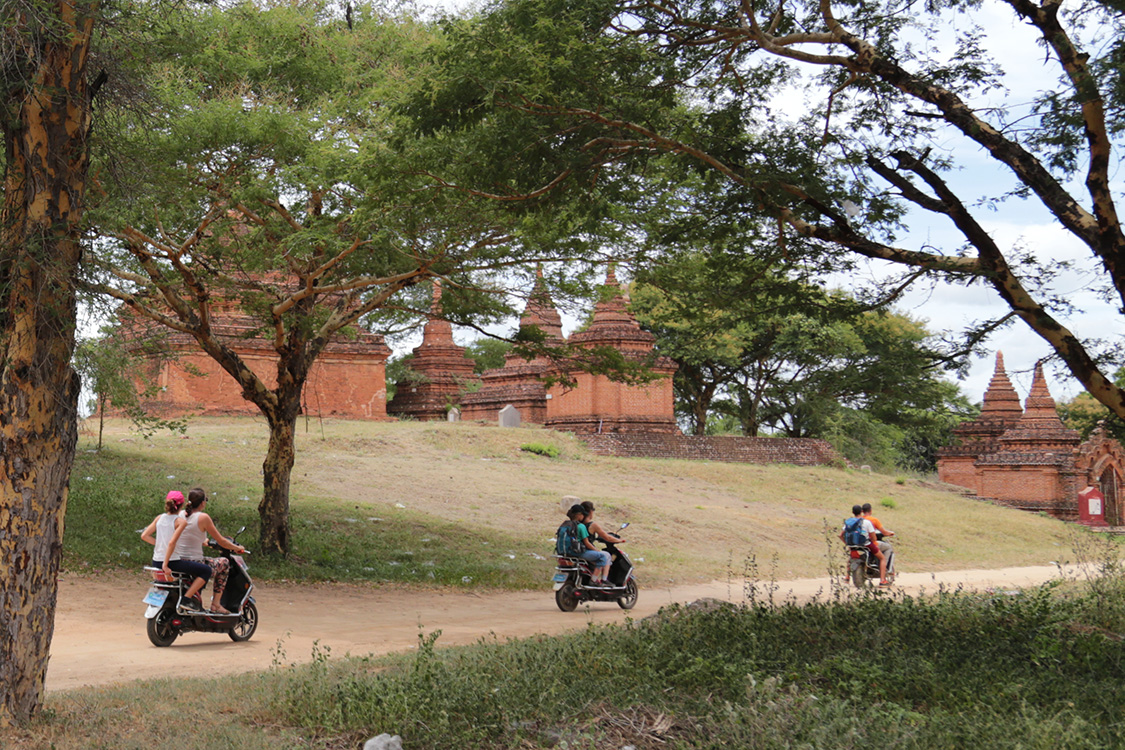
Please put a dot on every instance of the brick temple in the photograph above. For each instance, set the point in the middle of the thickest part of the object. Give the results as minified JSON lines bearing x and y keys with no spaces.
{"x":592,"y":403}
{"x":1026,"y":458}
{"x":440,"y":371}
{"x":347,"y":380}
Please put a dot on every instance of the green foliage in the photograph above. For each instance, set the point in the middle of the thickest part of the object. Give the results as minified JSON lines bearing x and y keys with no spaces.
{"x":549,"y":451}
{"x":668,"y":126}
{"x":1085,"y":414}
{"x":488,"y":353}
{"x":778,"y":354}
{"x":118,"y":372}
{"x":1038,"y":669}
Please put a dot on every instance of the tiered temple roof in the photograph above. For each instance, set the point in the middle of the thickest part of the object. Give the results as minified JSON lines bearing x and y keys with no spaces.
{"x":598,"y":404}
{"x":1039,"y":437}
{"x":1000,"y":410}
{"x":442,"y":370}
{"x":520,"y":381}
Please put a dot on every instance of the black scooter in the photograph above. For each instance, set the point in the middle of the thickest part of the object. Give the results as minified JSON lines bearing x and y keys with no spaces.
{"x":167,"y":619}
{"x":572,"y":580}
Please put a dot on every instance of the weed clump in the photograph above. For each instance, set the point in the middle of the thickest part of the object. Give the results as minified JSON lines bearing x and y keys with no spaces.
{"x":549,"y":451}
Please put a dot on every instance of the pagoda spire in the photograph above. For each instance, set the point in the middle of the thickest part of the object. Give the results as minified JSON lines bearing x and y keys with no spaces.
{"x":1000,"y":399}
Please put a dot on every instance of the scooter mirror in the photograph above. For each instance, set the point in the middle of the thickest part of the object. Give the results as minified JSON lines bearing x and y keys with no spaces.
{"x":625,"y":525}
{"x":240,"y":531}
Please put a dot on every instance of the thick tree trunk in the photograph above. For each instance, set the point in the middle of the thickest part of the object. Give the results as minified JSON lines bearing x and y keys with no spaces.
{"x":276,"y":471}
{"x":46,"y":120}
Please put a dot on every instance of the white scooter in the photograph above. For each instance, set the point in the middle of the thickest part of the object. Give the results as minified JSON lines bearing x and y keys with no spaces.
{"x":167,"y":619}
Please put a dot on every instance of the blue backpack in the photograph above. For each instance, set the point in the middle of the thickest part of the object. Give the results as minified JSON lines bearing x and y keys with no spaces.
{"x":566,"y":540}
{"x":854,"y":536}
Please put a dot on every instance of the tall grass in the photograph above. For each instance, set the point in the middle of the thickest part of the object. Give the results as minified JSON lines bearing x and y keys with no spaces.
{"x":1035,"y":670}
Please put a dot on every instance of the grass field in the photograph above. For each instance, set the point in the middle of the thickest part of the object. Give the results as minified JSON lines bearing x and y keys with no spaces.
{"x":461,"y":504}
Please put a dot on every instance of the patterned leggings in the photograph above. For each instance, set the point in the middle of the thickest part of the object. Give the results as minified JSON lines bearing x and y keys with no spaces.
{"x":220,"y":567}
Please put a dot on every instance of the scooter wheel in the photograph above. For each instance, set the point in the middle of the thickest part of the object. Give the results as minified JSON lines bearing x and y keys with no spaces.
{"x":160,"y":629}
{"x":859,"y":576}
{"x":629,"y":599}
{"x":247,"y":624}
{"x":567,"y":597}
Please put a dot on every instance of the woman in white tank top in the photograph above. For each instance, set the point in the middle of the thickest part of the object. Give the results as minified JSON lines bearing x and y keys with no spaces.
{"x":184,"y":552}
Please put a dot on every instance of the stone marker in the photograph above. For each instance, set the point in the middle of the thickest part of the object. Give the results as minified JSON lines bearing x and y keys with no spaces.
{"x":509,"y":416}
{"x":453,"y":415}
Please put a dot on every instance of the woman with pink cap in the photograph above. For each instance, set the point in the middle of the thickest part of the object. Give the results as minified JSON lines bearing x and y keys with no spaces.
{"x":163,"y":526}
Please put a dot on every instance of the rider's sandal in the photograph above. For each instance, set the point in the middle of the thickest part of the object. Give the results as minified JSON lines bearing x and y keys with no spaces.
{"x":884,"y":583}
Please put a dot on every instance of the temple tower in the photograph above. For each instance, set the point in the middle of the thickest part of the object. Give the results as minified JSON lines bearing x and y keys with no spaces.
{"x":520,"y":381}
{"x":441,"y":370}
{"x":1000,"y":411}
{"x":1033,"y":466}
{"x":597,"y":404}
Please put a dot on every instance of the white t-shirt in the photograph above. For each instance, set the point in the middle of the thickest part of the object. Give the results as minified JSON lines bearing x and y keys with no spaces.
{"x":165,"y":528}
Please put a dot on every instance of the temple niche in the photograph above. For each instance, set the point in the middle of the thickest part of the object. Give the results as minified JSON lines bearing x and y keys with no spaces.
{"x":441,"y":371}
{"x":1026,"y":458}
{"x":347,"y":380}
{"x":592,"y":403}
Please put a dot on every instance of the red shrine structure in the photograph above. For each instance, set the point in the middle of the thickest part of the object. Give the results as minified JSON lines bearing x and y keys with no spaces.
{"x":593,"y":403}
{"x":1025,"y":457}
{"x":520,"y":382}
{"x":440,"y":371}
{"x":347,"y":380}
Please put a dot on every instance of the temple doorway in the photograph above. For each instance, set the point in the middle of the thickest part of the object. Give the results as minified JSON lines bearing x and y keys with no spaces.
{"x":1108,"y":483}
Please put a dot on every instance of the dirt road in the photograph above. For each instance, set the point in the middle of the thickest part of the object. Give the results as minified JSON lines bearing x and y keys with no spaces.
{"x":100,"y":629}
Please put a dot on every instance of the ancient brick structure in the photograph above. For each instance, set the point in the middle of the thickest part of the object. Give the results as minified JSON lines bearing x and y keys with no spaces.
{"x":1026,"y":458}
{"x":347,"y":380}
{"x":441,"y":371}
{"x":520,"y":382}
{"x":596,"y":404}
{"x":1000,"y":410}
{"x":591,"y":403}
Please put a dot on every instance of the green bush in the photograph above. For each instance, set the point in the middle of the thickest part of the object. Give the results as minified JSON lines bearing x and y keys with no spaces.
{"x":1026,"y":671}
{"x":549,"y":451}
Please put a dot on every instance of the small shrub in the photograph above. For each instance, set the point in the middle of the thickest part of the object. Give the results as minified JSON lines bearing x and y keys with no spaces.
{"x":900,"y":480}
{"x":549,"y":451}
{"x":886,"y":502}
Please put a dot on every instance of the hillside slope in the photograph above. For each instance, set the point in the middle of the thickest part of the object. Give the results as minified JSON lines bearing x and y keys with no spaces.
{"x":690,"y":521}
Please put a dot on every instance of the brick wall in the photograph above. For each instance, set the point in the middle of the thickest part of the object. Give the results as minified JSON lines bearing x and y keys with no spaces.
{"x":753,"y":450}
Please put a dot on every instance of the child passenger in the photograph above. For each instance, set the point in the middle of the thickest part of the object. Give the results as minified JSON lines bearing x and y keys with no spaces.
{"x":598,"y":557}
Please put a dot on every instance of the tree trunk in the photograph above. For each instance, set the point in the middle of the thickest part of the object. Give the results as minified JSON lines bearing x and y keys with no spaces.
{"x":276,"y":471}
{"x":45,"y":123}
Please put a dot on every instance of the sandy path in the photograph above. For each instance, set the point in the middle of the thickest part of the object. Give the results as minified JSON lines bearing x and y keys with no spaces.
{"x":100,"y":628}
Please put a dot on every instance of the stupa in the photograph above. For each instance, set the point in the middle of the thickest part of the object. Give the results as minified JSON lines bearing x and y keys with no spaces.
{"x":441,"y":371}
{"x":597,"y":404}
{"x":1027,"y":458}
{"x":520,"y":382}
{"x":1000,"y":410}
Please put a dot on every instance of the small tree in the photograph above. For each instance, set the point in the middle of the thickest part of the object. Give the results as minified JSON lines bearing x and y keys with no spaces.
{"x":117,"y":371}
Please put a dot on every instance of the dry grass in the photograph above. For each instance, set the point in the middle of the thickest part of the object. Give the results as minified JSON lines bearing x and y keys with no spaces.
{"x":689,"y":520}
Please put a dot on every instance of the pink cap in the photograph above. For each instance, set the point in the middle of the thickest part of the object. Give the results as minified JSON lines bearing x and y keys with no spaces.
{"x":176,"y":497}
